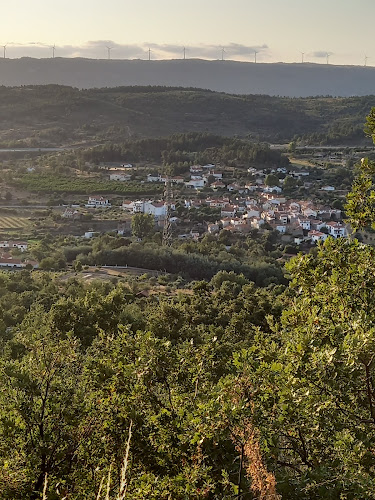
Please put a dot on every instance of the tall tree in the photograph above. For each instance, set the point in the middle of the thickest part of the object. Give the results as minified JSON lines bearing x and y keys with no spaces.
{"x":142,"y":225}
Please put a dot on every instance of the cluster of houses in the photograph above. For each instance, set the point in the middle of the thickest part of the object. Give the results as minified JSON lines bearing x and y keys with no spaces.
{"x":210,"y":176}
{"x":7,"y":260}
{"x":10,"y":245}
{"x":297,"y":220}
{"x":243,"y":207}
{"x":200,"y":176}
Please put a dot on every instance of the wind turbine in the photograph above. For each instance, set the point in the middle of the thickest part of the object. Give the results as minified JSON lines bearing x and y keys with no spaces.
{"x":366,"y":59}
{"x":4,"y":50}
{"x":222,"y":53}
{"x":184,"y":51}
{"x":255,"y":56}
{"x":53,"y":51}
{"x":109,"y":51}
{"x":149,"y":54}
{"x":328,"y":56}
{"x":302,"y":57}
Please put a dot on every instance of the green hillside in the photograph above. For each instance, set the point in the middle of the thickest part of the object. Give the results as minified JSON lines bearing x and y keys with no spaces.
{"x":55,"y":115}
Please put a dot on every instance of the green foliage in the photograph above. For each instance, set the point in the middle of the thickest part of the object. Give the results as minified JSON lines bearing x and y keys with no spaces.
{"x":360,"y":207}
{"x":142,"y":225}
{"x":271,"y":180}
{"x":58,"y":184}
{"x":109,"y":114}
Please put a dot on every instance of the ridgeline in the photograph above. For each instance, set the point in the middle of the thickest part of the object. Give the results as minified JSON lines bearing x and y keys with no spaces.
{"x":277,"y":79}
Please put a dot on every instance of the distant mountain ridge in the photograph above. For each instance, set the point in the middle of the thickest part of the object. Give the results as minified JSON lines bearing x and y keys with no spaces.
{"x":274,"y":79}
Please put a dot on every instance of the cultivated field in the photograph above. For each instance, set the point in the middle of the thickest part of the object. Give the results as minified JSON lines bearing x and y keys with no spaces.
{"x":9,"y":222}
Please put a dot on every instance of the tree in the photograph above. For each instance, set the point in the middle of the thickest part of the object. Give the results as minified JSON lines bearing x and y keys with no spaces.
{"x":360,"y":208}
{"x":328,"y":356}
{"x":142,"y":225}
{"x":289,"y":182}
{"x":271,"y":180}
{"x":44,"y":403}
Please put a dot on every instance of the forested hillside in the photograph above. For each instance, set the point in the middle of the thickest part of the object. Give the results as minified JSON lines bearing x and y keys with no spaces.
{"x":57,"y":116}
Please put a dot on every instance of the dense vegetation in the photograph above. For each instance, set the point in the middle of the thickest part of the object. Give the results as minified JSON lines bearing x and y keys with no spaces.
{"x":202,"y":148}
{"x":45,"y":183}
{"x":55,"y":115}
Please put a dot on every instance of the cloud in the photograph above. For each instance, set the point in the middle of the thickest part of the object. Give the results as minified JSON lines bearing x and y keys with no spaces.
{"x":98,"y":49}
{"x":321,"y":53}
{"x":232,"y":50}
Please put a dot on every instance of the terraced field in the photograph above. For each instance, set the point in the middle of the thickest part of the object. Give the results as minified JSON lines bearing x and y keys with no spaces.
{"x":13,"y":222}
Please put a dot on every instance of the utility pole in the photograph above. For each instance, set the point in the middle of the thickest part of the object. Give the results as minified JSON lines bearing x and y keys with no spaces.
{"x":167,"y":230}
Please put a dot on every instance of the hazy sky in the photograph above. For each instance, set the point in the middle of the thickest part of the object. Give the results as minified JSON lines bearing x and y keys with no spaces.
{"x":277,"y":29}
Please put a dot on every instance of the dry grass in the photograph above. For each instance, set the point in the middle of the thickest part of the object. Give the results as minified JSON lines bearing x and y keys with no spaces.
{"x":45,"y":487}
{"x":123,"y":479}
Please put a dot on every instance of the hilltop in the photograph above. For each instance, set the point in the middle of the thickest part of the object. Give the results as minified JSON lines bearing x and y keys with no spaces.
{"x":277,"y":79}
{"x":41,"y":116}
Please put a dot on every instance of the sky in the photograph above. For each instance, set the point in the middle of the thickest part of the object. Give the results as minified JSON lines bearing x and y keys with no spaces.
{"x":278,"y":30}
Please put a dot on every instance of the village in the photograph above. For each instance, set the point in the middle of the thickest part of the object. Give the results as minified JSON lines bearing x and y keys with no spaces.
{"x":301,"y":201}
{"x":241,"y":206}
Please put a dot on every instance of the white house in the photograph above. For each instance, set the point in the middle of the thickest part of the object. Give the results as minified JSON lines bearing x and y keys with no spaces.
{"x":17,"y":263}
{"x":252,"y":212}
{"x":196,"y":169}
{"x":155,"y":208}
{"x":305,"y":223}
{"x":217,"y":185}
{"x":336,"y":229}
{"x":196,"y":183}
{"x":317,"y":236}
{"x":257,"y":222}
{"x":21,"y":245}
{"x":272,"y":189}
{"x":228,"y":211}
{"x":97,"y":202}
{"x":215,"y":203}
{"x":177,"y":180}
{"x":128,"y":205}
